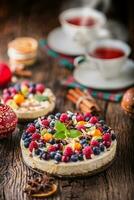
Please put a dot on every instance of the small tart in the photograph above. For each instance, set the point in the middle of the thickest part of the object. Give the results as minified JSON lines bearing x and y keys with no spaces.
{"x":68,"y":144}
{"x":29,"y":100}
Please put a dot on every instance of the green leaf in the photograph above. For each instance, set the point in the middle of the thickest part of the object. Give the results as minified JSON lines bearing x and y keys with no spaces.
{"x":60,"y":126}
{"x":60,"y":135}
{"x":67,"y":133}
{"x":41,"y":98}
{"x":74,"y":133}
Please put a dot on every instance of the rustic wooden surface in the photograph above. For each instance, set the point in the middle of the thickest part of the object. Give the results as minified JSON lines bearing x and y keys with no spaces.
{"x":117,"y":182}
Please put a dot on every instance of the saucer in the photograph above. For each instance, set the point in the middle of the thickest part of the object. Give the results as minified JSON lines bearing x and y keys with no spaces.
{"x":61,"y":43}
{"x":92,"y":78}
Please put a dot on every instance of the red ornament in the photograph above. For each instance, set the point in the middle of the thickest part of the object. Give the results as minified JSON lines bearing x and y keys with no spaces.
{"x":8,"y":121}
{"x":5,"y":74}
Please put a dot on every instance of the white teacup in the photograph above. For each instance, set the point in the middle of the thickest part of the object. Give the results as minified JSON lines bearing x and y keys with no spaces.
{"x":82,"y":33}
{"x":110,"y":66}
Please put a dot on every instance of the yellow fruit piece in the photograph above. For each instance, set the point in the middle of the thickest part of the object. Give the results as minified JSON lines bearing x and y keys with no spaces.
{"x":96,"y":132}
{"x":81,"y":123}
{"x":96,"y":137}
{"x":12,"y":104}
{"x":18,"y":98}
{"x":77,"y":146}
{"x":47,"y":136}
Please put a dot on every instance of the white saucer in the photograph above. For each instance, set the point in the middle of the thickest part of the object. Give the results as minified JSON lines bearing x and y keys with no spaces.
{"x":93,"y":79}
{"x":61,"y":43}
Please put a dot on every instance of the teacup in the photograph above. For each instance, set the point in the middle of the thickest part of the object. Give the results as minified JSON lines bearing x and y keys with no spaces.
{"x":107,"y":55}
{"x":84,"y":24}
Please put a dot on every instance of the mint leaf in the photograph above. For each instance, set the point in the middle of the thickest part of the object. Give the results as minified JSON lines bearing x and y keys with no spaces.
{"x":74,"y":133}
{"x":60,"y":126}
{"x":60,"y":135}
{"x":41,"y":98}
{"x":67,"y":133}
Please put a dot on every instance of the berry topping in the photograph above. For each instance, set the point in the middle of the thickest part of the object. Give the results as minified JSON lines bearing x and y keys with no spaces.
{"x":68,"y":151}
{"x":64,"y":117}
{"x":31,"y":129}
{"x":79,"y":118}
{"x":67,"y":137}
{"x":40,"y":88}
{"x":33,"y":145}
{"x":106,"y":137}
{"x":36,"y":136}
{"x":93,"y":120}
{"x":87,"y":151}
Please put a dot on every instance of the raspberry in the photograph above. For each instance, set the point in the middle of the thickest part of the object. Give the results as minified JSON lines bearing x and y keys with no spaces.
{"x":106,"y":144}
{"x":87,"y":151}
{"x":51,"y":148}
{"x":45,"y":122}
{"x":94,"y":143}
{"x":68,"y":151}
{"x":33,"y":145}
{"x":64,"y":117}
{"x":40,"y":88}
{"x":88,"y":114}
{"x":93,"y":120}
{"x":65,"y":158}
{"x":79,"y":118}
{"x":81,"y":127}
{"x":31,"y":129}
{"x":106,"y":137}
{"x":36,"y":136}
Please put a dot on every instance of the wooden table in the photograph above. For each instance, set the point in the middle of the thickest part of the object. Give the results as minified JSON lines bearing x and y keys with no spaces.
{"x":117,"y":182}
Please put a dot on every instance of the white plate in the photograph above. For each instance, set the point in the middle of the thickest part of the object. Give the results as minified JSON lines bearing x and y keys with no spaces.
{"x":61,"y":43}
{"x":93,"y":79}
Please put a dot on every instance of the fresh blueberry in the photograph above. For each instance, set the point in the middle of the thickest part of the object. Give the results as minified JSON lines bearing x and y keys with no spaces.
{"x":74,"y":158}
{"x":37,"y":125}
{"x":87,"y":119}
{"x":27,"y":140}
{"x":96,"y":150}
{"x":102,"y":147}
{"x":37,"y":151}
{"x":26,"y":144}
{"x":83,"y":141}
{"x":17,"y":87}
{"x":57,"y":116}
{"x":85,"y":145}
{"x":105,"y":128}
{"x":41,"y":145}
{"x":80,"y":157}
{"x":102,"y":121}
{"x":52,"y":124}
{"x":58,"y":157}
{"x":32,"y":84}
{"x":50,"y":117}
{"x":60,"y":152}
{"x":52,"y":141}
{"x":52,"y":131}
{"x":24,"y":136}
{"x":52,"y":154}
{"x":113,"y":136}
{"x":45,"y":156}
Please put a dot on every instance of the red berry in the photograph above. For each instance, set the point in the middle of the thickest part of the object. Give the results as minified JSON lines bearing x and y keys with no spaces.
{"x":93,"y":120}
{"x":33,"y":145}
{"x":40,"y":88}
{"x":58,"y":146}
{"x":64,"y":117}
{"x":6,"y":98}
{"x":88,"y":114}
{"x":68,"y":151}
{"x":107,"y":144}
{"x":87,"y":151}
{"x":36,"y":136}
{"x":5,"y":74}
{"x":94,"y":143}
{"x":81,"y":127}
{"x":79,"y":118}
{"x":31,"y":129}
{"x":106,"y":137}
{"x":45,"y":122}
{"x":65,"y":158}
{"x":32,"y":90}
{"x":51,"y":148}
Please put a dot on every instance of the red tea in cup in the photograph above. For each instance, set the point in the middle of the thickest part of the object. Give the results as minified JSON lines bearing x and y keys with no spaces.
{"x":82,"y":21}
{"x":107,"y":53}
